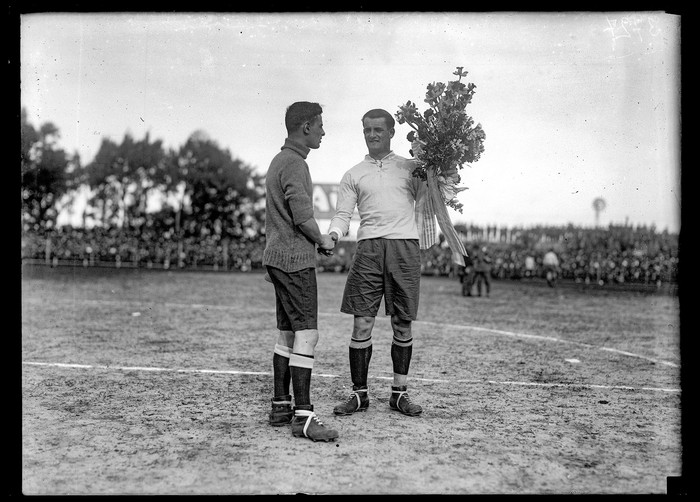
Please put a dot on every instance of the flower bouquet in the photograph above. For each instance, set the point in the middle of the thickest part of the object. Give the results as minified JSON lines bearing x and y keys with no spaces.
{"x":443,"y":139}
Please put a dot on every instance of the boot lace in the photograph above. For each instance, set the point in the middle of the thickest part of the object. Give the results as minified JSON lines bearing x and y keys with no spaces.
{"x":354,"y":399}
{"x":405,"y":396}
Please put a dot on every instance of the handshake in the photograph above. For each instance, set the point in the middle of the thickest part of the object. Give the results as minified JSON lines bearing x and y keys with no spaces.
{"x":328,"y":244}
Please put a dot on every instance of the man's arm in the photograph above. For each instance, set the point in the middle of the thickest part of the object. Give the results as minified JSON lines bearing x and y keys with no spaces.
{"x":296,"y":184}
{"x":311,"y":230}
{"x":345,"y":207}
{"x":293,"y":179}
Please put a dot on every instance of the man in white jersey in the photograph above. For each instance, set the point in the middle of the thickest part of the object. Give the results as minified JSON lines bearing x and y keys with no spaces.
{"x":387,"y":261}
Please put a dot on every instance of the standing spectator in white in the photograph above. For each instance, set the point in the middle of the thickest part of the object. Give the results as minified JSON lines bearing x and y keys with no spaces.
{"x":551,"y":267}
{"x":529,"y":266}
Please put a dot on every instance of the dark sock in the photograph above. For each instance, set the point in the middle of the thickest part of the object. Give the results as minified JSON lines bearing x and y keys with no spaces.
{"x":359,"y":366}
{"x":281,"y":375}
{"x":301,"y":382}
{"x":401,"y":357}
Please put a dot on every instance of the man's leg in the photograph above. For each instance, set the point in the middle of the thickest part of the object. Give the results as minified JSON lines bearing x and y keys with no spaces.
{"x":360,"y":351}
{"x":280,"y":362}
{"x":297,"y":309}
{"x":282,"y":411}
{"x":301,"y":362}
{"x":401,"y":351}
{"x":401,"y":297}
{"x":360,"y":354}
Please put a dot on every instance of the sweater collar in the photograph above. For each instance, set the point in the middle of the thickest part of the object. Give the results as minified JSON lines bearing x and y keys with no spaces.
{"x":371,"y":159}
{"x":296,"y":147}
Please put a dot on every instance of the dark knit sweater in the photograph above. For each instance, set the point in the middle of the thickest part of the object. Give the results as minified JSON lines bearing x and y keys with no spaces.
{"x":288,"y":203}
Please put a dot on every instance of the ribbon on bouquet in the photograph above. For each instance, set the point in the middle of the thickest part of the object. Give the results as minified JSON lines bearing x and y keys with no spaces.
{"x":434,"y":206}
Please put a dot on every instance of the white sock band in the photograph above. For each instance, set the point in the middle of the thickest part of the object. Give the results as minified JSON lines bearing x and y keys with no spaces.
{"x":301,"y":361}
{"x":283,"y":351}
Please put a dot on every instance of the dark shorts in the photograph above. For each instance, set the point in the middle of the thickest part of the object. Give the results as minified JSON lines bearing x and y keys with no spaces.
{"x":388,"y":268}
{"x":296,"y":299}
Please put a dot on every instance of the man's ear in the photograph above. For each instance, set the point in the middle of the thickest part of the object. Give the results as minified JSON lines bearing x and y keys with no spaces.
{"x":306,"y":128}
{"x":391,"y":132}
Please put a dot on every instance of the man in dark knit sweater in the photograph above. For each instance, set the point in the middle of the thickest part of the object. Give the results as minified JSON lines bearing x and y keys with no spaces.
{"x":292,"y":235}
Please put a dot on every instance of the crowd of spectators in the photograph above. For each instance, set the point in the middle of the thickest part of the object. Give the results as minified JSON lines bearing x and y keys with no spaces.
{"x":147,"y":248}
{"x":614,"y":254}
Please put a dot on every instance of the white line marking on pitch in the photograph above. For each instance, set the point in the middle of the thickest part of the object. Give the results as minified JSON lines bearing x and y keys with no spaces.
{"x":326,"y":375}
{"x":551,"y":339}
{"x":437,"y":324}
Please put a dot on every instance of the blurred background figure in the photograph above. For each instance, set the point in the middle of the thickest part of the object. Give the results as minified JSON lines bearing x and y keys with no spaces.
{"x":466,"y":276}
{"x":550,"y":262}
{"x":482,"y":271}
{"x":529,"y":266}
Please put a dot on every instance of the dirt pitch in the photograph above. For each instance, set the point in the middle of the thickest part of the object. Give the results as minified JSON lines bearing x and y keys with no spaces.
{"x":152,"y":382}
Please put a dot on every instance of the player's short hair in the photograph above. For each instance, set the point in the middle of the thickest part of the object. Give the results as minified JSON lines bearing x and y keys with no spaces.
{"x":300,"y":112}
{"x":378,"y":113}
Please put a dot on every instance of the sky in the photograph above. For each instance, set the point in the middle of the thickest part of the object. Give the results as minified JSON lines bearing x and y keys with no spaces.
{"x":575,"y":106}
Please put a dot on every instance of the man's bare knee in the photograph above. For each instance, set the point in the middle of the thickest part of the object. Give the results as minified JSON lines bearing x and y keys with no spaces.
{"x":305,"y":341}
{"x":362,"y":327}
{"x":401,"y":328}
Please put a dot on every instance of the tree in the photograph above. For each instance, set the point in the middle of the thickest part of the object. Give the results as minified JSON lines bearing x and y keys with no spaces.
{"x":46,"y":175}
{"x":218,"y":195}
{"x":123,"y":177}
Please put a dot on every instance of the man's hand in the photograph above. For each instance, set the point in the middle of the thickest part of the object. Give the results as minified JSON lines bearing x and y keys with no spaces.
{"x":327,"y":245}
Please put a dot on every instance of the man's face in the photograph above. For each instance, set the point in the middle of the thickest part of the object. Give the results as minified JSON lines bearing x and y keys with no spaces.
{"x":315,"y":132}
{"x":377,"y":136}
